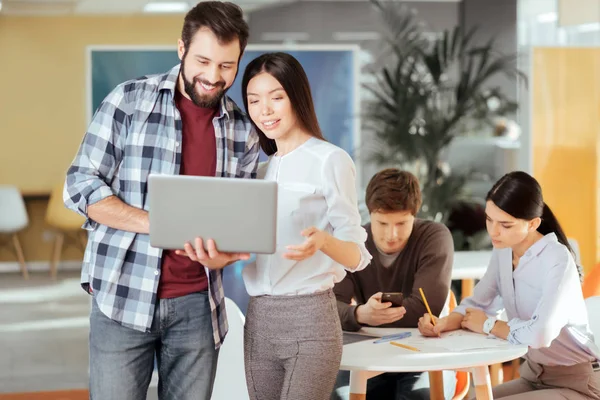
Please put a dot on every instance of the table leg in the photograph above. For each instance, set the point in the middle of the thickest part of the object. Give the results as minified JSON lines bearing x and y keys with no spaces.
{"x":436,"y":385}
{"x":358,"y":384}
{"x":467,"y":286}
{"x":516,"y":365}
{"x":483,"y":384}
{"x":496,"y":374}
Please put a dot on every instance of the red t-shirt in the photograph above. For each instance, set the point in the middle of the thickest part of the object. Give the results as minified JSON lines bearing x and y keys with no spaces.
{"x":181,"y":276}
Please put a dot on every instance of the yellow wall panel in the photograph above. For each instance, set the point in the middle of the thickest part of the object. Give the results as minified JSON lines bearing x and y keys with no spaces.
{"x":565,"y":139}
{"x":43,"y":81}
{"x":43,"y":101}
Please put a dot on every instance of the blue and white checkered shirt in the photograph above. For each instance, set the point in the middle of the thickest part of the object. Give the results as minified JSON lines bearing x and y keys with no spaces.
{"x":137,"y":131}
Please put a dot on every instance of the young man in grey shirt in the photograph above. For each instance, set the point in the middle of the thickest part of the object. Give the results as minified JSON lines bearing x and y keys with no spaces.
{"x":408,"y":253}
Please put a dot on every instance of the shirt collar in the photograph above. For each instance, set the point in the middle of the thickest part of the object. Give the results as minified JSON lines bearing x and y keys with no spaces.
{"x":169,"y":82}
{"x":538,"y":246}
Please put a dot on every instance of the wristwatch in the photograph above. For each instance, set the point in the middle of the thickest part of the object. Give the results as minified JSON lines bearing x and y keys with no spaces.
{"x":488,"y":325}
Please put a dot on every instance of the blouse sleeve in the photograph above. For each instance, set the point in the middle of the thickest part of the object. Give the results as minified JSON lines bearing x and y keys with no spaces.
{"x":339,"y":186}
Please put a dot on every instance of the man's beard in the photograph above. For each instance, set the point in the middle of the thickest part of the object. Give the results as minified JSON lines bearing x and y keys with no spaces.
{"x":207,"y":100}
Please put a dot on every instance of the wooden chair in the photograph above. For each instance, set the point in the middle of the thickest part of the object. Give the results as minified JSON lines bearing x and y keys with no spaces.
{"x":591,"y":283}
{"x":66,"y":225}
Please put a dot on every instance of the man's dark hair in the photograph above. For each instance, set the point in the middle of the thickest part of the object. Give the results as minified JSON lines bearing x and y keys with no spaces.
{"x":223,"y":18}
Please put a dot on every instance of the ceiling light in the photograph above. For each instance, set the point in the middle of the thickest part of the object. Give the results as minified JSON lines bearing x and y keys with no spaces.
{"x":284,"y":36}
{"x":166,"y":7}
{"x":547,"y":17}
{"x":588,"y":27}
{"x":356,"y":36}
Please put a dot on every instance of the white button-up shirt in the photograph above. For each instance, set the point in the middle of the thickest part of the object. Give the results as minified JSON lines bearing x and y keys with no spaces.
{"x":543,"y":302}
{"x":316,"y":187}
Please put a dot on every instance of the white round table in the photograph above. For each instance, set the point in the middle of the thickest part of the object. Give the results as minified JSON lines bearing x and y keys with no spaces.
{"x":365,"y":360}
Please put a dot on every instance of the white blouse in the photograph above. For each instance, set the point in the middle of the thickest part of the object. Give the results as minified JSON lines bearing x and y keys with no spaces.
{"x":316,"y":187}
{"x":543,"y":302}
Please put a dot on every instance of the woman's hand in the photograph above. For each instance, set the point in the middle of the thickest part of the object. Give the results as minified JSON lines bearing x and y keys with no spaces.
{"x":315,"y":240}
{"x":473,"y":320}
{"x":427,"y":328}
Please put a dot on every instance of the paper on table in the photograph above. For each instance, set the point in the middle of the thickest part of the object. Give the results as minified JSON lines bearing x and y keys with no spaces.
{"x":457,"y":341}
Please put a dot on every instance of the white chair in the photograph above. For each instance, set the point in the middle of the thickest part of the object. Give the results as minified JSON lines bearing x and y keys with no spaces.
{"x":230,"y":380}
{"x":13,"y":218}
{"x":593,"y":309}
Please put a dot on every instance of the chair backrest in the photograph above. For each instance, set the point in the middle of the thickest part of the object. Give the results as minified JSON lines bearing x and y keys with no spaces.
{"x":463,"y":382}
{"x":452,"y":301}
{"x":13,"y":214}
{"x":60,"y":217}
{"x":591,"y":283}
{"x":230,"y":380}
{"x":593,"y":309}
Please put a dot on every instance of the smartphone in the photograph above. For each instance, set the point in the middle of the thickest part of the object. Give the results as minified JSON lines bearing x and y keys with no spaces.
{"x":396,"y":298}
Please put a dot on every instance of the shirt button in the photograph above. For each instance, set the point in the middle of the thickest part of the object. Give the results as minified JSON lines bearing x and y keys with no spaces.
{"x":155,"y":272}
{"x":176,"y":144}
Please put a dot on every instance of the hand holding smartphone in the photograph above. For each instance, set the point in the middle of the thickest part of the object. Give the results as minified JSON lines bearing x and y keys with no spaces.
{"x":396,"y":298}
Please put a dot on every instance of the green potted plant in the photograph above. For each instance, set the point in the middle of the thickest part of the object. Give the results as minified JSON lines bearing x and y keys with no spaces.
{"x":427,"y":89}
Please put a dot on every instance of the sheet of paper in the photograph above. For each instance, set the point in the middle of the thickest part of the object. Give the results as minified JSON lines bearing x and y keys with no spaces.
{"x":455,"y":341}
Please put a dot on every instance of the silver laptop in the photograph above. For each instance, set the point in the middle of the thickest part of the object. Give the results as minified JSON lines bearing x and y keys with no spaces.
{"x":239,"y":214}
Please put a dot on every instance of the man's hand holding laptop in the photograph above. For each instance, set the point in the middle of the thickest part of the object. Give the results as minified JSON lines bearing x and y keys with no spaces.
{"x":211,"y":258}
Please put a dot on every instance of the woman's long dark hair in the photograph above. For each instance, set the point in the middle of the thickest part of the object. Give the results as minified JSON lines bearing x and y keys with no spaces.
{"x":290,"y":74}
{"x":520,"y":195}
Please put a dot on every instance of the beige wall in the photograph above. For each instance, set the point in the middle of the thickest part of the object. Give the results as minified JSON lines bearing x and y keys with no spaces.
{"x":43,"y":93}
{"x":43,"y":100}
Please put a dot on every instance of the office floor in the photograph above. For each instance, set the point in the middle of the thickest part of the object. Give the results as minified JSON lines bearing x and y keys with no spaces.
{"x":44,"y":331}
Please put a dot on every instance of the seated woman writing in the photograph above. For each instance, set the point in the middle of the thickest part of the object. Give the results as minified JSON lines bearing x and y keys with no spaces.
{"x":533,"y":272}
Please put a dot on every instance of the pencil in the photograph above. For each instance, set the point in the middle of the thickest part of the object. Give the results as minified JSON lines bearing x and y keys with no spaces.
{"x":404,"y":346}
{"x":427,"y":305}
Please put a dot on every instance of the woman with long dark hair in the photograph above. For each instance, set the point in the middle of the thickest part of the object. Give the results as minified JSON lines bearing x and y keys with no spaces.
{"x":293,"y":336}
{"x":533,"y":271}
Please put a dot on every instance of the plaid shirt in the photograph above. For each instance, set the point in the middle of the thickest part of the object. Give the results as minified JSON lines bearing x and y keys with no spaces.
{"x":137,"y":131}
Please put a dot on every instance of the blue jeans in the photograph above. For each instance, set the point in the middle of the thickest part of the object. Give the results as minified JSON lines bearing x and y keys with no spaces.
{"x":395,"y":386}
{"x":181,"y":338}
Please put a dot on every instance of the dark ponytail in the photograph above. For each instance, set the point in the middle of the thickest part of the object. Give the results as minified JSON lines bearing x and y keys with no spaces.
{"x":520,"y":195}
{"x":550,"y":224}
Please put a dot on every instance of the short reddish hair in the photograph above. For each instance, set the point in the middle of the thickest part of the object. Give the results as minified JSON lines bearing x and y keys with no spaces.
{"x":392,"y":190}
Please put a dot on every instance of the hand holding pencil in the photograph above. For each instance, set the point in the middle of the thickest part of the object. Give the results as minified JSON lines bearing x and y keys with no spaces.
{"x":429,"y":325}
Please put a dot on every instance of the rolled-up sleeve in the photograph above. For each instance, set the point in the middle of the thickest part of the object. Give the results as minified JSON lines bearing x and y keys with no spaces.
{"x":552,"y":311}
{"x":344,"y":292}
{"x":92,"y":171}
{"x":339,"y":183}
{"x":249,"y":161}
